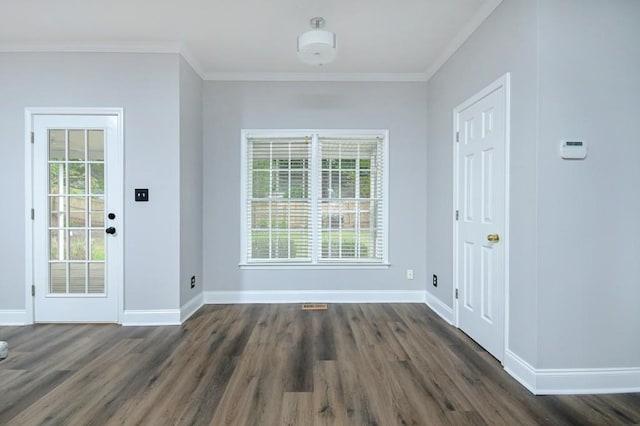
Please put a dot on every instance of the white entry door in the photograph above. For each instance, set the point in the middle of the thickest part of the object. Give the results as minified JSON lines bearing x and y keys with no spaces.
{"x":481,"y":126}
{"x":77,"y":199}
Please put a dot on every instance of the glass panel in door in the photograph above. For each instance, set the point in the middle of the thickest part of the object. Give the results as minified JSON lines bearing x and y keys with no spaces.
{"x":76,"y":215}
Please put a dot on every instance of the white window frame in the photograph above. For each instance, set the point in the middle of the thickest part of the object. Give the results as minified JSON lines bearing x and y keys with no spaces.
{"x":315,"y":263}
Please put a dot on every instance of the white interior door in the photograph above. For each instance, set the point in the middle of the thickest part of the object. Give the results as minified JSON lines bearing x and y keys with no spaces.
{"x":481,"y":197}
{"x":77,"y":193}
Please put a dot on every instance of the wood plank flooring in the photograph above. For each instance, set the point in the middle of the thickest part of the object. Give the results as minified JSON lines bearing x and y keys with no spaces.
{"x":277,"y":365}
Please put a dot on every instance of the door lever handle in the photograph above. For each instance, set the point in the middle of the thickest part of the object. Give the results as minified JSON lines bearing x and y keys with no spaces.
{"x":494,"y":238}
{"x":110,"y":230}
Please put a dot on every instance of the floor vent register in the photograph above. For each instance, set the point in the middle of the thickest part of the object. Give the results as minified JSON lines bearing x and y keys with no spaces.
{"x":314,"y":307}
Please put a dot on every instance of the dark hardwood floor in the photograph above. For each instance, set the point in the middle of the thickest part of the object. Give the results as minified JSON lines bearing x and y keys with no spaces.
{"x":277,"y":365}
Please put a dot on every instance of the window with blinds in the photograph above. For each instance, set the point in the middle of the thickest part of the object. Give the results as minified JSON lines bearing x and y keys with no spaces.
{"x":279,"y":206}
{"x":350,"y":199}
{"x":314,"y":197}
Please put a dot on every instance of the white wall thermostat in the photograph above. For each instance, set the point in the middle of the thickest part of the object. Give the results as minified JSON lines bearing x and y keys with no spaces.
{"x":573,"y":149}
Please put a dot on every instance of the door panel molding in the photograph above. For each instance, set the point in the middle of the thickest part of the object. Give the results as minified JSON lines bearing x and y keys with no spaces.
{"x":116,"y":159}
{"x":504,"y":82}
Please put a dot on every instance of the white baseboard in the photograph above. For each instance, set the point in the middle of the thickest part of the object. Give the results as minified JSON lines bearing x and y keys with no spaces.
{"x":572,"y":381}
{"x":439,"y":307}
{"x":151,"y":317}
{"x":191,"y":307}
{"x":520,"y":370}
{"x":588,"y":381}
{"x":338,"y":296}
{"x":13,"y":317}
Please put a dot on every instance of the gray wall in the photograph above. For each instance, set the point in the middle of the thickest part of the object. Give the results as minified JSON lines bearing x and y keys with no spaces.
{"x":505,"y":42}
{"x":190,"y":182}
{"x":589,"y":211}
{"x":230,"y":107}
{"x":146,"y":86}
{"x":574,"y":267}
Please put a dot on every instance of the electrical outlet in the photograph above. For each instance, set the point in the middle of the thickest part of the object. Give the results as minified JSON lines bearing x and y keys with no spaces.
{"x":142,"y":194}
{"x":409,"y":274}
{"x":193,"y":281}
{"x":435,"y":280}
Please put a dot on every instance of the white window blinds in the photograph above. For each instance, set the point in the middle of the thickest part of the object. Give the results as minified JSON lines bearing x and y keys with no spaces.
{"x":314,"y":198}
{"x":279,"y":205}
{"x":351,"y":199}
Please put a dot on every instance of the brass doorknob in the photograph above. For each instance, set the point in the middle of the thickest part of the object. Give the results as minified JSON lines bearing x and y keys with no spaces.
{"x":494,"y":238}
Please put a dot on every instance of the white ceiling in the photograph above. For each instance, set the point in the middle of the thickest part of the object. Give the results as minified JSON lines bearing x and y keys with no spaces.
{"x":222,"y":38}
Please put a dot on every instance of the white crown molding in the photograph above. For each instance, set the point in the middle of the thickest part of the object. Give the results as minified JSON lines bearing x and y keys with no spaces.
{"x":179,"y":48}
{"x":193,"y":61}
{"x":462,"y":36}
{"x":313,"y":76}
{"x":126,"y":47}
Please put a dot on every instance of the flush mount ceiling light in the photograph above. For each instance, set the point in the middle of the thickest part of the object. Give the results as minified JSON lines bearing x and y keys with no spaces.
{"x":317,"y":47}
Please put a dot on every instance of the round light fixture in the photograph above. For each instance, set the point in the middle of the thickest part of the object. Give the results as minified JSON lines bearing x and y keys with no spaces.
{"x":317,"y":47}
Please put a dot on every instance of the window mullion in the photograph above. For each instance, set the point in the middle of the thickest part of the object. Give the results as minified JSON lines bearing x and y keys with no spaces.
{"x":356,"y":196}
{"x":288,"y":201}
{"x":247,"y":207}
{"x":340,"y":201}
{"x":315,"y":214}
{"x":373,"y":205}
{"x":87,"y":217}
{"x":380,"y":165}
{"x":67,"y":191}
{"x":270,"y":225}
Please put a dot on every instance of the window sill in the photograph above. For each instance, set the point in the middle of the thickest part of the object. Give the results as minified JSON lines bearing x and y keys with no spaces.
{"x":284,"y":266}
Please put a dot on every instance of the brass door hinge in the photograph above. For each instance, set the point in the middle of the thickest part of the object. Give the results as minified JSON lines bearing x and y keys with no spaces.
{"x":456,"y":293}
{"x":33,"y":137}
{"x":33,"y":214}
{"x":457,"y":214}
{"x":457,"y":136}
{"x":33,"y":290}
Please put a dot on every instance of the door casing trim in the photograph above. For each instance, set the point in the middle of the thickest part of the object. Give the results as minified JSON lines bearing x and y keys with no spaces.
{"x":29,"y":114}
{"x":503,"y":81}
